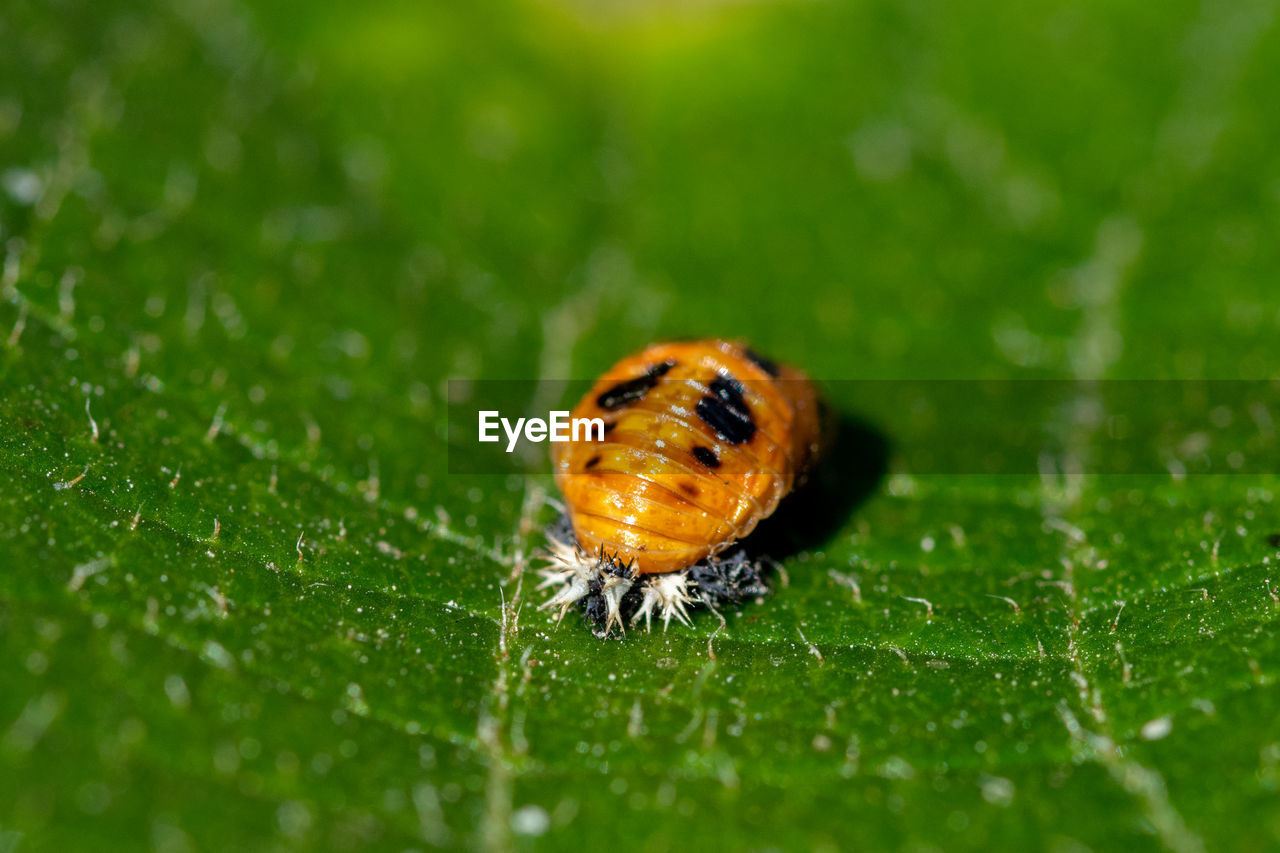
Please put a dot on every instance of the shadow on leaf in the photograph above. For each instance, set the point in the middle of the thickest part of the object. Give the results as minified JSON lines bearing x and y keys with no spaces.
{"x":852,"y":467}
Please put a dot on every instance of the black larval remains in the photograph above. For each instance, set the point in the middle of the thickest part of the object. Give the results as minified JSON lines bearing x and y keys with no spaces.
{"x":726,"y":580}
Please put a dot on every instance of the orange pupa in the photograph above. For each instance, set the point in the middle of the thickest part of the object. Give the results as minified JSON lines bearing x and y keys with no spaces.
{"x":702,"y":440}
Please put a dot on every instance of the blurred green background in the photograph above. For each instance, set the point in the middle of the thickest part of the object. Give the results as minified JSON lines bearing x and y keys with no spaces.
{"x":245,"y":606}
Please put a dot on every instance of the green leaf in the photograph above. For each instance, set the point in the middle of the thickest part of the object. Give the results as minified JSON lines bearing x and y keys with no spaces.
{"x":245,"y":604}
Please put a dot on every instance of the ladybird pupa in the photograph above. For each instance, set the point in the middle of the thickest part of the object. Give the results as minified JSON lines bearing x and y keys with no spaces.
{"x":702,"y":440}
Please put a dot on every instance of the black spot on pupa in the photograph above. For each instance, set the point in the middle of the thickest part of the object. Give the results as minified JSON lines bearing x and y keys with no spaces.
{"x":625,"y":393}
{"x":726,"y":412}
{"x":608,"y":428}
{"x":689,"y":489}
{"x":1274,"y":540}
{"x":767,"y":365}
{"x":592,"y":462}
{"x":706,"y":456}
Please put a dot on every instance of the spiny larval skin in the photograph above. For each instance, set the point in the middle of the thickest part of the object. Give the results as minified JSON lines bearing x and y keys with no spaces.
{"x":611,"y":593}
